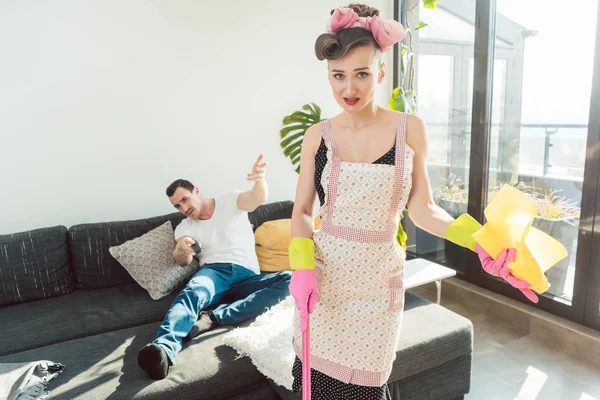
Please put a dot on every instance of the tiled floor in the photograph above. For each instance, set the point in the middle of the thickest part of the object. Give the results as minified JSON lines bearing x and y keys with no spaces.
{"x":510,"y":365}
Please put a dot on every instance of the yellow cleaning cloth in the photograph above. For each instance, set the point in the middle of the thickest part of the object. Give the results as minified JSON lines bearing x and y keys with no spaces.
{"x":509,"y":217}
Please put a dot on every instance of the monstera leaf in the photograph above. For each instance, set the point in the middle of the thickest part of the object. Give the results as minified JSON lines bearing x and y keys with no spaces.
{"x":294,"y":128}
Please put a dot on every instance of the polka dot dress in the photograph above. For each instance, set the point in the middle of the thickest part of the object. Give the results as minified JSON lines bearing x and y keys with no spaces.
{"x":324,"y":387}
{"x":321,"y":160}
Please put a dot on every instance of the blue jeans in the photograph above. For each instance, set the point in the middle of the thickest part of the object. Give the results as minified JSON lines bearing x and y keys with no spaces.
{"x":250,"y":296}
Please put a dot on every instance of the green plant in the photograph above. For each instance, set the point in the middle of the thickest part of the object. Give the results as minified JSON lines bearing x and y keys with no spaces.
{"x":294,"y":129}
{"x":404,"y":97}
{"x":549,"y":204}
{"x":454,"y":190}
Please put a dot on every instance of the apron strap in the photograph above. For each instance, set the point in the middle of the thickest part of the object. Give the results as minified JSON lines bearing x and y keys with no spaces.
{"x":328,"y":136}
{"x":399,"y":169}
{"x":334,"y":174}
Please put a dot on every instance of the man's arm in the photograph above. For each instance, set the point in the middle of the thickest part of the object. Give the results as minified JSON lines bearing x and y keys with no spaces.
{"x":250,"y":200}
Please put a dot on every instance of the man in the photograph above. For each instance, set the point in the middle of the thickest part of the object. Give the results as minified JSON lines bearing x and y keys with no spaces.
{"x":228,"y":267}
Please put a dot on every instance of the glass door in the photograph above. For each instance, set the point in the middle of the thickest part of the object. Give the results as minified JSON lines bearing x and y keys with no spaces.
{"x":541,"y":131}
{"x":590,"y":220}
{"x":517,"y":104}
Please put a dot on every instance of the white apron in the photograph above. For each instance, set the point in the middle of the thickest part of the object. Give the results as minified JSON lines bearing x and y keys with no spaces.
{"x":359,"y":266}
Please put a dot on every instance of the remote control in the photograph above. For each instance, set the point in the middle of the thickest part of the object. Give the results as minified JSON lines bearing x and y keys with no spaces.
{"x":197,"y":249}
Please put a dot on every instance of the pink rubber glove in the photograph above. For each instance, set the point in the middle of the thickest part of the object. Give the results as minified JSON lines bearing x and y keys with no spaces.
{"x":303,"y":287}
{"x":499,"y":268}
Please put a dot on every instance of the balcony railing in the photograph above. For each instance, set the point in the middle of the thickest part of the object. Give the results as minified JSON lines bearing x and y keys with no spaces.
{"x":545,"y":150}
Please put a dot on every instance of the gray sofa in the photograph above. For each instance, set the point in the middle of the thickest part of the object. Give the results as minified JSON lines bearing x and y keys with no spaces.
{"x":64,"y":298}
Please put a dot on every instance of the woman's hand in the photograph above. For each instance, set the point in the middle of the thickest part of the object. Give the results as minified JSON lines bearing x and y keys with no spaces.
{"x":499,"y":267}
{"x":304,"y":290}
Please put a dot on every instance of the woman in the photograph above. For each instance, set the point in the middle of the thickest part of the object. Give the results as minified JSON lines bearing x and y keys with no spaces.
{"x":366,"y":165}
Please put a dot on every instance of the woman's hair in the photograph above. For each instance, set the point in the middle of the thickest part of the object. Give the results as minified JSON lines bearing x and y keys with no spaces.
{"x":331,"y":46}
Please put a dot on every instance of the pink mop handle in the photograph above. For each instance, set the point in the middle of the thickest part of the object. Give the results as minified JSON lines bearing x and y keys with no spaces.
{"x":306,"y":361}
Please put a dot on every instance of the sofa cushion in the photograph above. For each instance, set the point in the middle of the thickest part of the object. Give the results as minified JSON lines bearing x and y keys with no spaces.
{"x":93,"y":265}
{"x":430,"y":336}
{"x":34,"y":265}
{"x":272,"y":240}
{"x":149,"y":260}
{"x":105,"y":366}
{"x":81,"y":313}
{"x":451,"y":380}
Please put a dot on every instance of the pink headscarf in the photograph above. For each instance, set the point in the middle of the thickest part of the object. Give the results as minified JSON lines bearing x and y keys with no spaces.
{"x":385,"y":32}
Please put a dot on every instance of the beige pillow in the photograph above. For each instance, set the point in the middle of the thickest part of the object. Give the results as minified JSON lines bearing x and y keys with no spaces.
{"x":149,"y":260}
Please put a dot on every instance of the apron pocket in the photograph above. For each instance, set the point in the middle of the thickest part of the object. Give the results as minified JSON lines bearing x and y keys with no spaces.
{"x":396,"y":286}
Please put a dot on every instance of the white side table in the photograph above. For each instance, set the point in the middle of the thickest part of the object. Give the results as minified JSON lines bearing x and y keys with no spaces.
{"x":419,"y":271}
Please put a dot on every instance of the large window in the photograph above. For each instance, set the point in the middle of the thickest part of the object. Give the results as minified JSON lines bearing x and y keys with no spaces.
{"x":538,"y":140}
{"x":535,"y":82}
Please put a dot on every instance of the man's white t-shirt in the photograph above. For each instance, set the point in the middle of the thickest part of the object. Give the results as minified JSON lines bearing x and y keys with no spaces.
{"x":226,"y":237}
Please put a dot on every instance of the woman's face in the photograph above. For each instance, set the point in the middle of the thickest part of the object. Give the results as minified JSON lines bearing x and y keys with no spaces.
{"x":355,"y":76}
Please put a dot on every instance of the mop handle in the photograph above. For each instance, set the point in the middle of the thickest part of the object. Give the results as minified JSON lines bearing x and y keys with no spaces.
{"x":306,"y":361}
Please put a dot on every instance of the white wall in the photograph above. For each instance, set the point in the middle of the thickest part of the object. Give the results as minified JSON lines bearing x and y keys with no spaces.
{"x":104,"y":103}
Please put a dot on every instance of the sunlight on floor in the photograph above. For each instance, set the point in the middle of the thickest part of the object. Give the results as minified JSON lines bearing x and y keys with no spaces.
{"x":533,"y":384}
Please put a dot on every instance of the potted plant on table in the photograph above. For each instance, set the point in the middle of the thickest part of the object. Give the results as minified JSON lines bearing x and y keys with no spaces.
{"x":453,"y":196}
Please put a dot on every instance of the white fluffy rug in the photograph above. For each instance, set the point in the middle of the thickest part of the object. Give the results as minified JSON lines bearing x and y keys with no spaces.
{"x":268,"y":342}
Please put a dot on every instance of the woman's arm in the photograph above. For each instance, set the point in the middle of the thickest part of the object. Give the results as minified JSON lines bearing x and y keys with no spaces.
{"x":303,"y":285}
{"x":422,"y":209}
{"x":302,"y":215}
{"x":428,"y":216}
